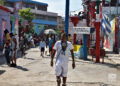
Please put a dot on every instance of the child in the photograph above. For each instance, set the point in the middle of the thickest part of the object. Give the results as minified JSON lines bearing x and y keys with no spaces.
{"x":42,"y":47}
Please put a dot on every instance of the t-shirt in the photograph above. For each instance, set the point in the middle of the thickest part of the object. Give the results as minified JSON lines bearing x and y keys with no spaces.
{"x":50,"y":43}
{"x":42,"y":44}
{"x":60,"y":57}
{"x":69,"y":39}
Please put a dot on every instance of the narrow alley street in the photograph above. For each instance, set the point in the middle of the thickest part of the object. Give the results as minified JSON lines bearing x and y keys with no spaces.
{"x":33,"y":70}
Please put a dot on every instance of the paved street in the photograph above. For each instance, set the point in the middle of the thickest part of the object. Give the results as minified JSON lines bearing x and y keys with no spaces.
{"x":33,"y":70}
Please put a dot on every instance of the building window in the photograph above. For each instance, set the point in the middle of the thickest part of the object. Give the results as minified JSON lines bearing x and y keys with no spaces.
{"x":25,"y":5}
{"x":113,"y":2}
{"x":52,"y":18}
{"x":43,"y":8}
{"x":9,"y":4}
{"x":40,"y":17}
{"x":31,"y":6}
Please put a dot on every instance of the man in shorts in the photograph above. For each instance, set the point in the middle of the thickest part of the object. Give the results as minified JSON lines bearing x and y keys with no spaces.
{"x":62,"y":49}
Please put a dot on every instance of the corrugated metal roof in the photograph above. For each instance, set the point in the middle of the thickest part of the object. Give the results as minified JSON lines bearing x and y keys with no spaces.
{"x":45,"y":22}
{"x":29,"y":1}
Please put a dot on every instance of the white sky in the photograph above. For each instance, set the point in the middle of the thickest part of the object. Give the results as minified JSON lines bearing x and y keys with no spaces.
{"x":58,"y":6}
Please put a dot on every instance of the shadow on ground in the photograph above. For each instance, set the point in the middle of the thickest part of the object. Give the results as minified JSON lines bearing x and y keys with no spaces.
{"x":21,"y":68}
{"x":109,"y":52}
{"x":2,"y":71}
{"x":29,"y":58}
{"x":89,"y":61}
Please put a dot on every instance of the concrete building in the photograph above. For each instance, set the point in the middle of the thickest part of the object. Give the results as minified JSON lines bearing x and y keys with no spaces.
{"x":61,"y":23}
{"x":4,"y":23}
{"x":42,"y":16}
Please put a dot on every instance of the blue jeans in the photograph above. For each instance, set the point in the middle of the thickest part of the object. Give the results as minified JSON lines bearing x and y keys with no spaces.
{"x":7,"y":51}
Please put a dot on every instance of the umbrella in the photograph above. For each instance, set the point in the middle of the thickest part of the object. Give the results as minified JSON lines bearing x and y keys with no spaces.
{"x":50,"y":31}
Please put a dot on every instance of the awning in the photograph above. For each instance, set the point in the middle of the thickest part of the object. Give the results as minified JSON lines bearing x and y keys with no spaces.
{"x":5,"y":9}
{"x":45,"y":22}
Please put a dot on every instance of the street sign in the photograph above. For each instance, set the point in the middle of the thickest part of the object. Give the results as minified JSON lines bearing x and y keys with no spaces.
{"x":81,"y":30}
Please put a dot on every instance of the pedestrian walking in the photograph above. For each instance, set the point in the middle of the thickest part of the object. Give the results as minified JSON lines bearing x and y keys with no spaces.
{"x":22,"y":45}
{"x":47,"y":44}
{"x":62,"y":49}
{"x":13,"y":49}
{"x":69,"y":37}
{"x":51,"y":40}
{"x":7,"y":46}
{"x":42,"y":47}
{"x":32,"y":42}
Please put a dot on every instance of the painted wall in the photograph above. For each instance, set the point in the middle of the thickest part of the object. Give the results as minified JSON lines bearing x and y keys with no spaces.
{"x":39,"y":28}
{"x":6,"y":17}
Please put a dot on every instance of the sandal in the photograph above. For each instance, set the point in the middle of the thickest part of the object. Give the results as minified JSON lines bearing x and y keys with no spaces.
{"x":58,"y":82}
{"x":63,"y":84}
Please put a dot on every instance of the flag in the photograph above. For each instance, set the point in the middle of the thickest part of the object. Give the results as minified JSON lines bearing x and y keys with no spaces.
{"x":113,"y":28}
{"x":105,"y":25}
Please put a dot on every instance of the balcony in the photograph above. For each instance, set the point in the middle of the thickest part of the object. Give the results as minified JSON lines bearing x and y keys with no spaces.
{"x":44,"y":12}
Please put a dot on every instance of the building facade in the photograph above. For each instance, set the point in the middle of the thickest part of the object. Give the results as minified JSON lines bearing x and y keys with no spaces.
{"x":42,"y":16}
{"x":61,"y":23}
{"x":4,"y":23}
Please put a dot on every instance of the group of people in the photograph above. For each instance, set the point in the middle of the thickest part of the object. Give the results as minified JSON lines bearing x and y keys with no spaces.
{"x":59,"y":48}
{"x":10,"y":46}
{"x":46,"y":44}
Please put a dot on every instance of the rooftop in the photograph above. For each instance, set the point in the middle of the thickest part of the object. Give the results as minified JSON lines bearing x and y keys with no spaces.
{"x":5,"y":9}
{"x":29,"y":1}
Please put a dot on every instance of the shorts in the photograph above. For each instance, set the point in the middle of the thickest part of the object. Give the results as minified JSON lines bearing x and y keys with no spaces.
{"x":61,"y":70}
{"x":42,"y":49}
{"x":12,"y":53}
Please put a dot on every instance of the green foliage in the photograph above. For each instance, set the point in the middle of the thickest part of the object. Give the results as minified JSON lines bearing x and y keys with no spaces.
{"x":2,"y":2}
{"x":29,"y":16}
{"x":31,"y":28}
{"x":59,"y":32}
{"x":26,"y":14}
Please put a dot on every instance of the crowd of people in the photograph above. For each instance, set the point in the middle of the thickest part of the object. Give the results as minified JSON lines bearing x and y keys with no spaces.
{"x":47,"y":43}
{"x":11,"y":45}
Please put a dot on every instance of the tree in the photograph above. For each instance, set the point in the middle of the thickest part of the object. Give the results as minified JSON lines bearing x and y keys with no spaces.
{"x":29,"y":16}
{"x":26,"y":14}
{"x":1,"y":2}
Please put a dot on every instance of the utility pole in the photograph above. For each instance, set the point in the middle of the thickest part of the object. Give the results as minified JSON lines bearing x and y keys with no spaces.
{"x":116,"y":30}
{"x":67,"y":16}
{"x":118,"y":39}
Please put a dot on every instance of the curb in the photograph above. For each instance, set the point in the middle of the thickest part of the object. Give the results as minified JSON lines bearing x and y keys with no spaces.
{"x":117,"y":65}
